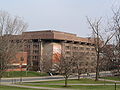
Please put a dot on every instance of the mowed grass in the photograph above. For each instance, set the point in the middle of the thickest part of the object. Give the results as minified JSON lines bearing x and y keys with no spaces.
{"x":78,"y":87}
{"x":81,"y":87}
{"x":53,"y":84}
{"x":75,"y":81}
{"x":23,"y":74}
{"x":117,"y":78}
{"x":15,"y":88}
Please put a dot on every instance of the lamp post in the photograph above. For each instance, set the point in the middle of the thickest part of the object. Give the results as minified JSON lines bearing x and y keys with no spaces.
{"x":21,"y":60}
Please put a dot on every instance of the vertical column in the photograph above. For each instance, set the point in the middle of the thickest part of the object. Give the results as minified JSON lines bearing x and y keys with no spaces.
{"x":40,"y":59}
{"x":71,"y":48}
{"x":63,"y":47}
{"x":31,"y":53}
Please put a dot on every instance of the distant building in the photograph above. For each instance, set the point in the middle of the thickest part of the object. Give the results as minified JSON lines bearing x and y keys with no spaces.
{"x":40,"y":44}
{"x":112,"y":57}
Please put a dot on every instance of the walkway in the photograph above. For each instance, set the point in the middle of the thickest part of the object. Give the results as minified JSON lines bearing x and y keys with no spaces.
{"x":35,"y":87}
{"x":108,"y":80}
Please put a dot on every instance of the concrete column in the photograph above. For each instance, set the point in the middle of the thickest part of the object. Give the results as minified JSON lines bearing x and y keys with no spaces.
{"x":31,"y":53}
{"x":63,"y":47}
{"x":40,"y":60}
{"x":71,"y":48}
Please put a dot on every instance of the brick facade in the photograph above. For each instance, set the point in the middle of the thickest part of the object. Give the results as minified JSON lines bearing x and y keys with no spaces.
{"x":17,"y":64}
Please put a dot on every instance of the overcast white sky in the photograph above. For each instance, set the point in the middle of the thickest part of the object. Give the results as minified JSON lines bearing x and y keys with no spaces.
{"x":61,"y":15}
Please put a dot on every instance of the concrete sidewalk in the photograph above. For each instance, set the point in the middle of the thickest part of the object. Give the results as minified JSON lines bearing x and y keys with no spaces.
{"x":34,"y":87}
{"x":31,"y":77}
{"x":107,"y":80}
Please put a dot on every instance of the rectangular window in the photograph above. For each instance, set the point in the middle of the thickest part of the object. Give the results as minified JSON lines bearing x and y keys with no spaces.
{"x":87,"y":48}
{"x":81,"y":48}
{"x":92,"y":49}
{"x":35,"y":46}
{"x":67,"y":47}
{"x":35,"y":51}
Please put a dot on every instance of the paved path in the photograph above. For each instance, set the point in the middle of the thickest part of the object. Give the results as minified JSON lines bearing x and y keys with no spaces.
{"x":108,"y":80}
{"x":35,"y":87}
{"x":30,"y":79}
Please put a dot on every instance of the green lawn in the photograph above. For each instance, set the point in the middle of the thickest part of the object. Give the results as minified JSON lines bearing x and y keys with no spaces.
{"x":23,"y":74}
{"x":75,"y":81}
{"x":80,"y":87}
{"x":117,"y":78}
{"x":15,"y":88}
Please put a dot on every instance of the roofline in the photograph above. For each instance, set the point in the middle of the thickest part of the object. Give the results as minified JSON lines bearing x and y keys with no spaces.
{"x":48,"y":31}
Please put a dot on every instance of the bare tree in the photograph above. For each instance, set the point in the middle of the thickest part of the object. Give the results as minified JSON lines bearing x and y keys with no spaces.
{"x":112,"y":52}
{"x":79,"y":61}
{"x":47,"y":58}
{"x":9,"y":27}
{"x":47,"y":63}
{"x":116,"y":28}
{"x":66,"y":67}
{"x":99,"y":40}
{"x":107,"y":59}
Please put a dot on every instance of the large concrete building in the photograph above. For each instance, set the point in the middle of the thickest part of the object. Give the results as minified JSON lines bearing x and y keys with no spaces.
{"x":40,"y":44}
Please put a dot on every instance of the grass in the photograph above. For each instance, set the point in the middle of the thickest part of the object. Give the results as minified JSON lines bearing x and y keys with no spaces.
{"x":23,"y":74}
{"x":101,"y":87}
{"x":117,"y":78}
{"x":75,"y":81}
{"x":15,"y":88}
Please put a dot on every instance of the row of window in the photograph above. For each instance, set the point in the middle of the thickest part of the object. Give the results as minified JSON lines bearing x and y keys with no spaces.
{"x":80,"y":53}
{"x":80,"y":48}
{"x":35,"y":51}
{"x":34,"y":57}
{"x":34,"y":46}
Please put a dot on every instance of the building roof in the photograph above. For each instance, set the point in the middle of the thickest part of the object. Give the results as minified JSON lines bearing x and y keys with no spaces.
{"x":52,"y":34}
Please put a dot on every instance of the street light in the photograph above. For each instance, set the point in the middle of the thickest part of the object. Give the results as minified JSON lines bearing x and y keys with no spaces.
{"x":21,"y":60}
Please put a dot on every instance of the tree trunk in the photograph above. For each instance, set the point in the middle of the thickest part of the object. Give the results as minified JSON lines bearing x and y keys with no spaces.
{"x":78,"y":76}
{"x":0,"y":81}
{"x":66,"y":79}
{"x":97,"y":67}
{"x":78,"y":72}
{"x":97,"y":74}
{"x":26,"y":73}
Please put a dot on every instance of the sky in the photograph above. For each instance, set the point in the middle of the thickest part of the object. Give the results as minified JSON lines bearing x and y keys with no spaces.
{"x":61,"y":15}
